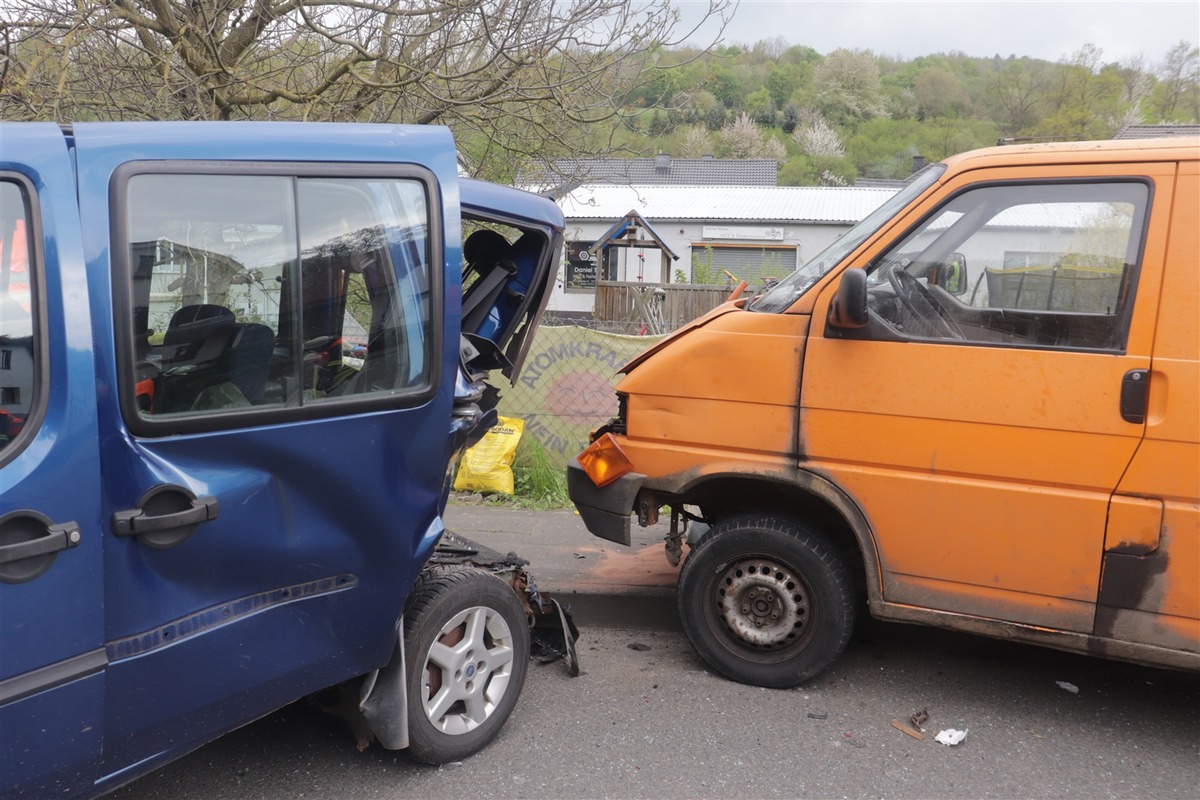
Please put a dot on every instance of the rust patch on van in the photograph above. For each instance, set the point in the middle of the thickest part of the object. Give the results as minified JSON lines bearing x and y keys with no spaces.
{"x":1129,"y":581}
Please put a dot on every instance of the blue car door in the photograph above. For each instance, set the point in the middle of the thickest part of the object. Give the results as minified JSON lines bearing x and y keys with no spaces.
{"x":274,"y":414}
{"x":52,"y":654}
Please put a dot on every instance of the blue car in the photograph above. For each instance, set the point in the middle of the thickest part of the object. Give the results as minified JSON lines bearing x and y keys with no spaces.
{"x":208,"y":510}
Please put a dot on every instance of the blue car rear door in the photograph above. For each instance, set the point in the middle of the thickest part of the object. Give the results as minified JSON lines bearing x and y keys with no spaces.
{"x":274,"y":398}
{"x":52,"y":656}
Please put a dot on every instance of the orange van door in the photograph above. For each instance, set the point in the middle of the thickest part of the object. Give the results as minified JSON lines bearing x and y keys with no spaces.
{"x":977,"y":417}
{"x":1150,"y":584}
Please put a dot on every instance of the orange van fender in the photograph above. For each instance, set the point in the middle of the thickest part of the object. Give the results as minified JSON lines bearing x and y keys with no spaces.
{"x":693,"y":482}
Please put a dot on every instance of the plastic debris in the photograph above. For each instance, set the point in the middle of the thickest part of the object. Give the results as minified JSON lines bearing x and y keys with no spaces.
{"x":1070,"y":687}
{"x":950,"y":736}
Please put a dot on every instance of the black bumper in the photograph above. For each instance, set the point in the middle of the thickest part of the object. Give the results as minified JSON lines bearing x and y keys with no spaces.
{"x":605,"y":512}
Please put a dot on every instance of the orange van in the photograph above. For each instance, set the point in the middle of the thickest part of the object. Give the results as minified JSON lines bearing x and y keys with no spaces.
{"x":978,"y":409}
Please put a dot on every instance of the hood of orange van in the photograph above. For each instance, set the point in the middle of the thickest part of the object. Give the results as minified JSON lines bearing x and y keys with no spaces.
{"x":698,"y":322}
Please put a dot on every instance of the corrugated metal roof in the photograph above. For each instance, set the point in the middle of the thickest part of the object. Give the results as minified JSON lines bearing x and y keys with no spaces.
{"x":819,"y":204}
{"x":663,"y":169}
{"x":1156,"y":131}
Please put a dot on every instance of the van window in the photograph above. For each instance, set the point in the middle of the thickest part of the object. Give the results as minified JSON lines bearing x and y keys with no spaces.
{"x":779,"y":298}
{"x":255,"y":292}
{"x":1051,"y":265}
{"x":19,"y":349}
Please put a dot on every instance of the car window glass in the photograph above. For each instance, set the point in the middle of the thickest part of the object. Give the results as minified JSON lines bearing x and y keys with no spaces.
{"x":255,"y":292}
{"x":1050,"y":265}
{"x":18,"y":345}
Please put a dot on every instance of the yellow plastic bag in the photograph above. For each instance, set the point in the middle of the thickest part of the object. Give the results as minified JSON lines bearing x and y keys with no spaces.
{"x":486,"y":466}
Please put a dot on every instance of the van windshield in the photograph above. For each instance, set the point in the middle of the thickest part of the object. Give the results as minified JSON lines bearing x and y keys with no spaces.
{"x":787,"y":291}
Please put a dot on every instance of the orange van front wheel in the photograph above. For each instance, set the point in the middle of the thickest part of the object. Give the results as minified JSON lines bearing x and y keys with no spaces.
{"x":766,"y":600}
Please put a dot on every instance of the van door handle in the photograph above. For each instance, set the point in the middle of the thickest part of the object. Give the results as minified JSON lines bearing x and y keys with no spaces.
{"x":1135,"y":390}
{"x":166,"y":516}
{"x":29,"y":543}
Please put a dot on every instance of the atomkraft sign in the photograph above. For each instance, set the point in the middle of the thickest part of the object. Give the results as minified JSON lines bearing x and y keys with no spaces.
{"x":566,"y":385}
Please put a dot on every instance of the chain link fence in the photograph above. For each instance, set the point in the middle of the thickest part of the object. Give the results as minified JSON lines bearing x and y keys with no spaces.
{"x":566,"y":384}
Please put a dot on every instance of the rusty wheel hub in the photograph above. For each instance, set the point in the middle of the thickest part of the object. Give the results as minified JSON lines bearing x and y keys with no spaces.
{"x":762,"y":603}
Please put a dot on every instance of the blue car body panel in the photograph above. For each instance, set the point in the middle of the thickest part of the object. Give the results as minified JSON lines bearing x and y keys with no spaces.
{"x":52,"y":634}
{"x":124,"y":656}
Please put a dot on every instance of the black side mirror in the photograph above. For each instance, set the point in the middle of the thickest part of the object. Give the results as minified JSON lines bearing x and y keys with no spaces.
{"x":849,"y":309}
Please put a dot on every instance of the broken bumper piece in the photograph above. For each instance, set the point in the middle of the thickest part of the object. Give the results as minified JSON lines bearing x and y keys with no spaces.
{"x":554,"y":634}
{"x":605,"y":511}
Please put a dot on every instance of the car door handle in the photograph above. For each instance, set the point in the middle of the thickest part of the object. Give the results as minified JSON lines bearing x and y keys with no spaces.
{"x":166,"y":516}
{"x":1135,"y":390}
{"x":29,"y":543}
{"x":136,"y":522}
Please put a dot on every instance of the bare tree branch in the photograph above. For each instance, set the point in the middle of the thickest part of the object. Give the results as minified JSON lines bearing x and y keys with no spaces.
{"x":511,"y":77}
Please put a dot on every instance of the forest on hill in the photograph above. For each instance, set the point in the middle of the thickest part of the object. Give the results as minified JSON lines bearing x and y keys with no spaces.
{"x":522,"y":84}
{"x":850,"y":114}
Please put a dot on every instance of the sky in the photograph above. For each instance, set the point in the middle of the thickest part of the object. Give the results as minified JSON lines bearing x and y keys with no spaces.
{"x":904,"y":29}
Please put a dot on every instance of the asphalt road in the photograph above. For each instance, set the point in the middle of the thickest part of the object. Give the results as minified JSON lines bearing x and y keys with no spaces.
{"x":646,"y":720}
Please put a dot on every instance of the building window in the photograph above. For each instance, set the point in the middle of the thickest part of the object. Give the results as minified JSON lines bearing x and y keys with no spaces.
{"x":10,"y":395}
{"x":755,"y":264}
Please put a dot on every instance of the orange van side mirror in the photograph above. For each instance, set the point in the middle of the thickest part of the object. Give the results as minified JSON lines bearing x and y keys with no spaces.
{"x":849,"y":309}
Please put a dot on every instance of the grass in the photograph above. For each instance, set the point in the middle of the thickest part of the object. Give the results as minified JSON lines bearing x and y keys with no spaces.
{"x":536,"y":478}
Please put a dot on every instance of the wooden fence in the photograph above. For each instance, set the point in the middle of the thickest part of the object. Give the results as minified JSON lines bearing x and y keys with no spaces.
{"x":661,"y":307}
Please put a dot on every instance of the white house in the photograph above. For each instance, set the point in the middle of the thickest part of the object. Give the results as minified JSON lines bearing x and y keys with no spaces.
{"x":749,"y":232}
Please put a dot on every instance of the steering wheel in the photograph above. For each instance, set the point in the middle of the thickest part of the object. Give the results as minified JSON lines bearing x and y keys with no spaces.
{"x":921,"y":304}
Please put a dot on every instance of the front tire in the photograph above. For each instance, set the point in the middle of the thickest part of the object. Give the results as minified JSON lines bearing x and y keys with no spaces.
{"x":466,"y":644}
{"x":766,"y":601}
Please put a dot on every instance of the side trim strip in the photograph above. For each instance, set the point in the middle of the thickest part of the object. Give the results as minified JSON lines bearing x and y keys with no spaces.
{"x":49,"y":677}
{"x":214,"y":616}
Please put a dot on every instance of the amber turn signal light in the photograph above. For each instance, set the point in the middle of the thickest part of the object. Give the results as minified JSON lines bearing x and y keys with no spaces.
{"x":604,"y":461}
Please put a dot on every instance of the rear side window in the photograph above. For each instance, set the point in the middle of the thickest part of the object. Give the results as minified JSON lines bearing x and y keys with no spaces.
{"x":19,"y":347}
{"x":253,"y":294}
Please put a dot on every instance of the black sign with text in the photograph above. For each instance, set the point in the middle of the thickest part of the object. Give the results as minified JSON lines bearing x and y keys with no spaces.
{"x":581,"y":266}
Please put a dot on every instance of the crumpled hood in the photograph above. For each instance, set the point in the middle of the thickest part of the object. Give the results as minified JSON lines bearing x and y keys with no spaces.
{"x":699,"y":322}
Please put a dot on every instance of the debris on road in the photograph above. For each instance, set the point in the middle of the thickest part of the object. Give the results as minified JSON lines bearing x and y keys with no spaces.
{"x":904,"y":727}
{"x":950,"y":736}
{"x":1070,"y":687}
{"x":641,"y":648}
{"x":920,"y":718}
{"x":811,"y":715}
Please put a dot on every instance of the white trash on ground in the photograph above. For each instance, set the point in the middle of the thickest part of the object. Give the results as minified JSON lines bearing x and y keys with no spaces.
{"x":950,"y":736}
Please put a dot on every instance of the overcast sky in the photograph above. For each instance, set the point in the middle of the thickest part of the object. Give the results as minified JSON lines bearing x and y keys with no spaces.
{"x":906,"y":29}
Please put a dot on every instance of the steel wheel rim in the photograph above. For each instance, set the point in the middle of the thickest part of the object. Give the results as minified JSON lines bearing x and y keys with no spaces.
{"x":467,"y":670}
{"x":763,"y":604}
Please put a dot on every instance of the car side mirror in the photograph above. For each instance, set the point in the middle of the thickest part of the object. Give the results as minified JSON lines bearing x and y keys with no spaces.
{"x":849,"y":308}
{"x":951,"y":276}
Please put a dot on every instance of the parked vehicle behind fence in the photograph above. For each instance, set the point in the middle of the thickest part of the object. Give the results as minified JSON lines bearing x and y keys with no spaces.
{"x":978,"y":409}
{"x":212,"y":506}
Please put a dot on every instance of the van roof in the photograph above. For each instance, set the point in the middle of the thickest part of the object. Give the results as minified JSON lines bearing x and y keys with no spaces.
{"x":1181,"y":148}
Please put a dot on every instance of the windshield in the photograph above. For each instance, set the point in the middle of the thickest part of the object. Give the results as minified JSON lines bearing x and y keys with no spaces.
{"x":781,"y":296}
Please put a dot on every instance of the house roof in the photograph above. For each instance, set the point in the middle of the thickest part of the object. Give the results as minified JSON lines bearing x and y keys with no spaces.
{"x":634,"y":220}
{"x":811,"y":204}
{"x":662,"y":169}
{"x":1156,"y":131}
